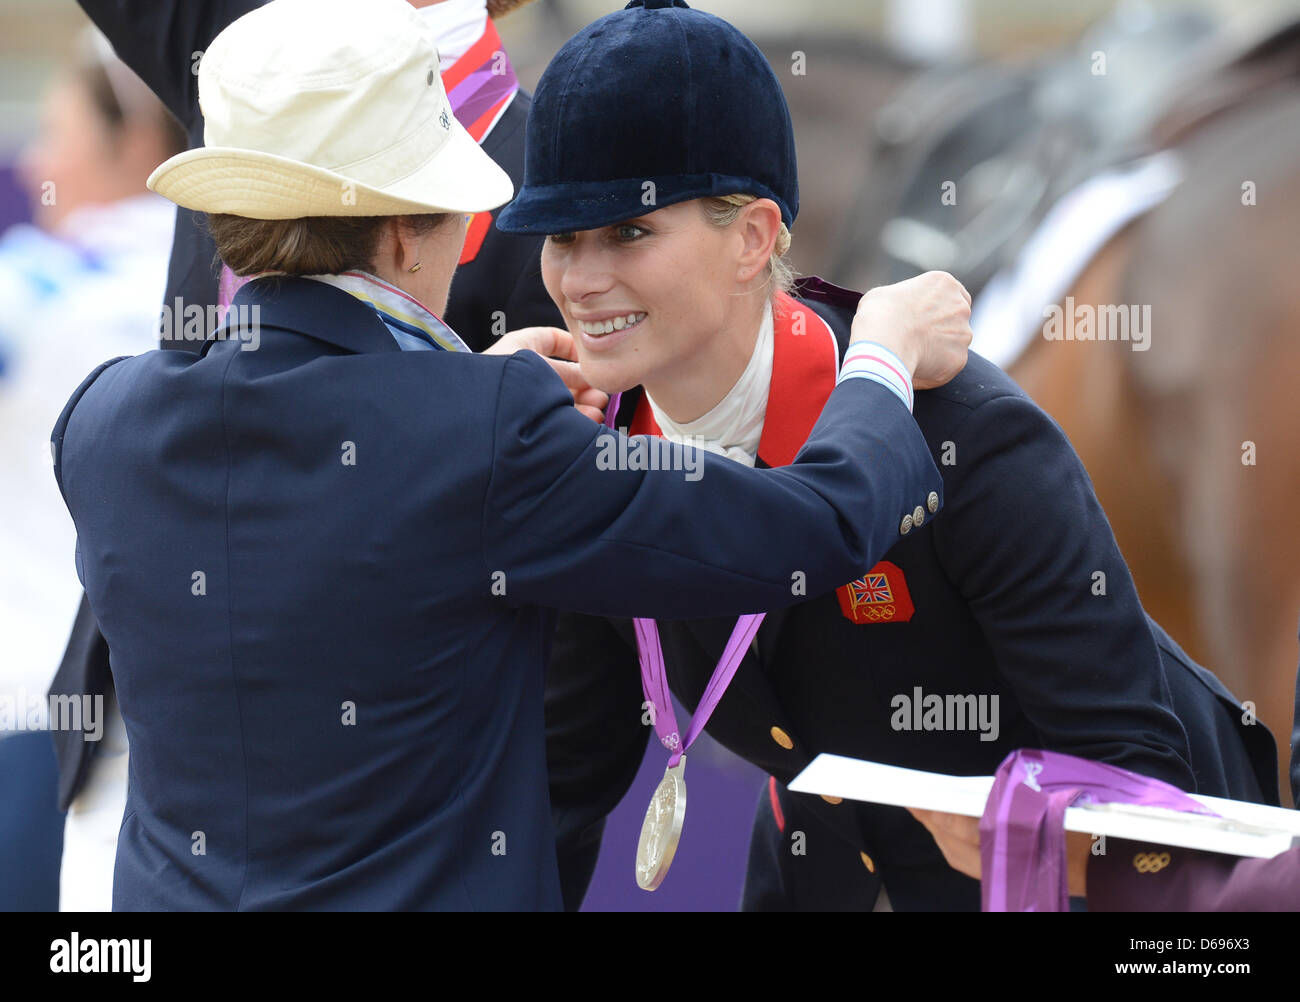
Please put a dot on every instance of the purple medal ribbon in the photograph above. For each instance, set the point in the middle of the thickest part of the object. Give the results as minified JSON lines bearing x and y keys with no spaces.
{"x":654,"y":681}
{"x":1022,"y":832}
{"x":611,"y":409}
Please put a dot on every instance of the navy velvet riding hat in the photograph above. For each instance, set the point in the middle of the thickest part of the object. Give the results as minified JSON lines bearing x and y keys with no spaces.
{"x":652,"y":105}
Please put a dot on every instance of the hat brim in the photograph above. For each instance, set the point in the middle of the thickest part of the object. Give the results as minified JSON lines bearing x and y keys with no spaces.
{"x":573,"y":206}
{"x":460,"y":177}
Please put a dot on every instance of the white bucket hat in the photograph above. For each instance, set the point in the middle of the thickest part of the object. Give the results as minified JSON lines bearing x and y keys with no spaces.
{"x":329,"y":108}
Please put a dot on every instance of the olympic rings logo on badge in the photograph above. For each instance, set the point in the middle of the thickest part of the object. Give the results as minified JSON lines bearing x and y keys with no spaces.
{"x":1150,"y":862}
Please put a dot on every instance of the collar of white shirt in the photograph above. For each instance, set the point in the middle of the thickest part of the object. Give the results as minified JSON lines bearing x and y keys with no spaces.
{"x":734,"y":427}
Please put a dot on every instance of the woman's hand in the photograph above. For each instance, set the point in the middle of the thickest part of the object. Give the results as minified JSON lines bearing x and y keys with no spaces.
{"x":557,"y":347}
{"x":925,"y":321}
{"x":958,"y":838}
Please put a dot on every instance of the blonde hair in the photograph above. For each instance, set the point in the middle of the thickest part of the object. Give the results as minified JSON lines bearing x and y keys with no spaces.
{"x":724,"y":210}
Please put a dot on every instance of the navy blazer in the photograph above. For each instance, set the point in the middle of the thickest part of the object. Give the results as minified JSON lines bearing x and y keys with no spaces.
{"x":998,"y":598}
{"x":159,"y":41}
{"x":321,"y":568}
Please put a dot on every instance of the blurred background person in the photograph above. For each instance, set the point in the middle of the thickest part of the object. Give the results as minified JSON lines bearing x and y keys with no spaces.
{"x":78,"y":284}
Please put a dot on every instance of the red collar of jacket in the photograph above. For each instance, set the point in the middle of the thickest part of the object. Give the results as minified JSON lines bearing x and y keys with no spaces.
{"x":805,"y":364}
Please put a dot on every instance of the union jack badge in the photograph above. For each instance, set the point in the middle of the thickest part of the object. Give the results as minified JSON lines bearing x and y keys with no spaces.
{"x":879,"y":596}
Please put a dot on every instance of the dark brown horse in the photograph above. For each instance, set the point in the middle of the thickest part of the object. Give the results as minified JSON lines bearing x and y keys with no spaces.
{"x":1194,"y":445}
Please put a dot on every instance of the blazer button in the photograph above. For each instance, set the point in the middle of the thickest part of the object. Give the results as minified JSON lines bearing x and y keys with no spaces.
{"x":782,"y":738}
{"x":918,"y":516}
{"x":932,"y":502}
{"x":867,"y":862}
{"x":906,"y":527}
{"x":832,"y":800}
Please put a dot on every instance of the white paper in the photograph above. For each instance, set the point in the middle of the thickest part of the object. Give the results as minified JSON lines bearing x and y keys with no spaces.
{"x":1243,"y":830}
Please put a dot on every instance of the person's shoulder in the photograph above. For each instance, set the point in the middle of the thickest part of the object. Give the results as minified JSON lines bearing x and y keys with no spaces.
{"x":522,"y":102}
{"x":977,"y":384}
{"x":88,"y":387}
{"x":123,"y":367}
{"x":505,"y":142}
{"x":524,"y":374}
{"x":470,"y":382}
{"x":985,"y":414}
{"x":940,"y":409}
{"x":457,"y":379}
{"x":834,"y":304}
{"x":116,"y":388}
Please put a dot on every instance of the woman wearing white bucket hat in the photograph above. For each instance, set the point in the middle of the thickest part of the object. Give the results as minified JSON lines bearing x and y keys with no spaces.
{"x":498,"y":285}
{"x":321,"y":550}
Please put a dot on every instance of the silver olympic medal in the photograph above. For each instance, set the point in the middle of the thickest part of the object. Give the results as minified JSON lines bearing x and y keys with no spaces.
{"x":662,"y":828}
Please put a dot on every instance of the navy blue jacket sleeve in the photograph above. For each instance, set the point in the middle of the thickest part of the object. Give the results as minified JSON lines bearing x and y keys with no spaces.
{"x":723,"y":540}
{"x":163,"y":42}
{"x":1084,"y":664}
{"x":595,"y":740}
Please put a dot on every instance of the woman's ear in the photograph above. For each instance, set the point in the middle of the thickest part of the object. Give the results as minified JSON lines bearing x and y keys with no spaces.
{"x":394,"y":248}
{"x":406,"y":245}
{"x":759,"y":224}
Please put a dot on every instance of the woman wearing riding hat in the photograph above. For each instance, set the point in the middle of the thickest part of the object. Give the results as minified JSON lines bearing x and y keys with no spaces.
{"x":319,"y":550}
{"x":661,"y":162}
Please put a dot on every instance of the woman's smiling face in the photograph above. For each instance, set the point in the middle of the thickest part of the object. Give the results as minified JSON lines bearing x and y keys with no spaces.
{"x":643,"y":298}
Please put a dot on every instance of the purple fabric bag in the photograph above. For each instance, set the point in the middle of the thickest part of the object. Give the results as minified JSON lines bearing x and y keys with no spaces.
{"x":1022,"y":832}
